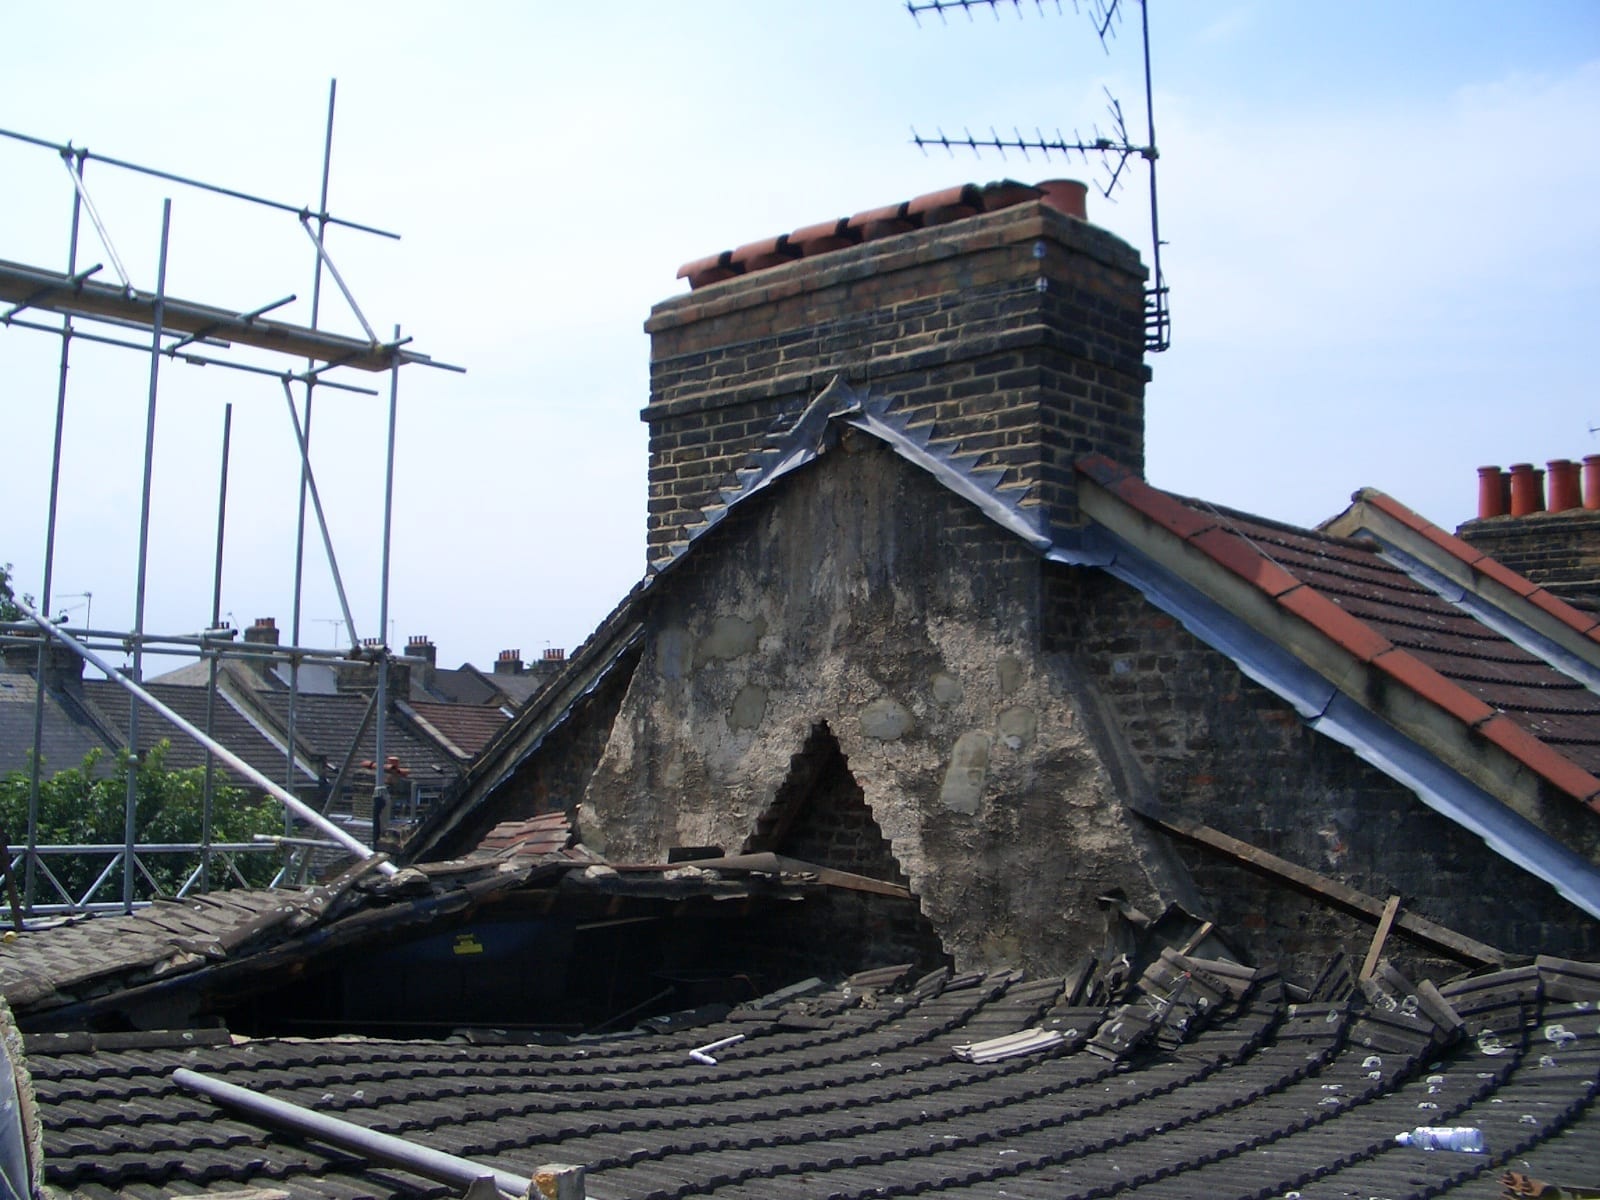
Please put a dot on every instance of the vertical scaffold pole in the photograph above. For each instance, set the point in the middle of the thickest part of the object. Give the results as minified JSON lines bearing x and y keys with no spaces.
{"x":305,"y":460}
{"x":380,"y":791}
{"x":211,"y":680}
{"x":129,"y":831}
{"x":36,"y":764}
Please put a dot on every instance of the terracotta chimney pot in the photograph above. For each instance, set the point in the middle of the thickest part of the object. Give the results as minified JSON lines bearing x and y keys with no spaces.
{"x":1527,"y":490}
{"x":1491,"y":493}
{"x":1591,"y":480}
{"x":1564,"y":490}
{"x":1066,"y":196}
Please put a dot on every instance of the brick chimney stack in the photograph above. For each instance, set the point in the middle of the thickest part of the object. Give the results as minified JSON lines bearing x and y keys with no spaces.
{"x":263,"y":632}
{"x":509,"y":663}
{"x":996,"y":315}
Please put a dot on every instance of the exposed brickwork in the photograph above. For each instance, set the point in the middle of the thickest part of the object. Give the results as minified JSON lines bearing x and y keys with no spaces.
{"x":1017,"y":334}
{"x":1559,"y":551}
{"x":1221,"y":750}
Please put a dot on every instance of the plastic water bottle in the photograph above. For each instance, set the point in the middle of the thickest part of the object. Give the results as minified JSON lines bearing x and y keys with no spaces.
{"x":1443,"y":1137}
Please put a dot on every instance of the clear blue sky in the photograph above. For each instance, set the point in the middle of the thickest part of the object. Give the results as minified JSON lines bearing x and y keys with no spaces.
{"x":1381,"y":219}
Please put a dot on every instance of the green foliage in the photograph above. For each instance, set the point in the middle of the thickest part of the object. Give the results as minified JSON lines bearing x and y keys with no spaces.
{"x":77,"y":808}
{"x":8,"y":604}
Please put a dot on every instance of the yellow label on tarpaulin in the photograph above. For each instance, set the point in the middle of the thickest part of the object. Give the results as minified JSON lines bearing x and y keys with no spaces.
{"x":467,"y":943}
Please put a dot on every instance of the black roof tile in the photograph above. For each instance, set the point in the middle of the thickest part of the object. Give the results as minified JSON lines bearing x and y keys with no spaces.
{"x":1266,"y":1099}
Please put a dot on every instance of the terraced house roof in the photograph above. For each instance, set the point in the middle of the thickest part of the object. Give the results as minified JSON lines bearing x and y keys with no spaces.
{"x":1207,"y":1080}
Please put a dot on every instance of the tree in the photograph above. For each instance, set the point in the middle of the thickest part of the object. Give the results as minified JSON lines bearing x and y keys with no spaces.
{"x":84,"y":805}
{"x":8,"y":603}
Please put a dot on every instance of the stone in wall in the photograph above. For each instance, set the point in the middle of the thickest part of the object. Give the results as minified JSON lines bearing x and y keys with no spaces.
{"x":862,"y":598}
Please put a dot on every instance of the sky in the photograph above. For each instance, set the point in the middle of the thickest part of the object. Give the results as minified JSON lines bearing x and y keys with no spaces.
{"x":1380,"y":224}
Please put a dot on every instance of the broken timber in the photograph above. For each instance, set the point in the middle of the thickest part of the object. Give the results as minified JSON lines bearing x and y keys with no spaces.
{"x":1340,"y":895}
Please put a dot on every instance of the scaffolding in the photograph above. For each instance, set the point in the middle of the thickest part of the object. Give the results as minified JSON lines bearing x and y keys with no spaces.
{"x":84,"y":304}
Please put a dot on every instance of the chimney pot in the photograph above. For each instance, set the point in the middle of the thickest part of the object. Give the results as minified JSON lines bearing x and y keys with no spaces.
{"x":1066,"y":196}
{"x":1527,"y":490}
{"x":1565,"y":492}
{"x":1491,"y":493}
{"x":1591,"y":481}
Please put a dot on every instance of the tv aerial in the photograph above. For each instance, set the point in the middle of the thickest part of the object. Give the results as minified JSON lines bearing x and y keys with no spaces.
{"x":1114,"y":148}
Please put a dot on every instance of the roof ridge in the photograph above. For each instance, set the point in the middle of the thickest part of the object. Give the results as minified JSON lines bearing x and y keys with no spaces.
{"x":1552,"y":604}
{"x":1352,"y":634}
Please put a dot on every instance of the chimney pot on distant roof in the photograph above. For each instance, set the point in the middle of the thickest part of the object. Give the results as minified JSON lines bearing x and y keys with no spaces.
{"x":1591,"y":481}
{"x":1527,"y":490}
{"x":1491,"y":493}
{"x":1564,"y":489}
{"x":419,"y":646}
{"x":509,"y":663}
{"x":264,"y":632}
{"x":555,"y":654}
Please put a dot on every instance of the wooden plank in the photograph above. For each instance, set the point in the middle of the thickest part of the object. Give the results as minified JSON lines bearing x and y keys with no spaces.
{"x":1417,"y":928}
{"x":1391,"y":909}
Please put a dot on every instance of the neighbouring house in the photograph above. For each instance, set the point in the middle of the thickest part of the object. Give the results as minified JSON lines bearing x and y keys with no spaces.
{"x":948,"y":810}
{"x":437,"y":720}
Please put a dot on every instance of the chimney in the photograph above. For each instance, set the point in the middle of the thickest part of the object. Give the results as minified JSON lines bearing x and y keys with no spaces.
{"x":425,"y":657}
{"x":994,"y":317}
{"x":63,"y":669}
{"x":509,"y":663}
{"x":264,"y":632}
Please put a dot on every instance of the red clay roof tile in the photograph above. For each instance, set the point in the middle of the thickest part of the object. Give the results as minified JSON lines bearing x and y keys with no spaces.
{"x":1491,"y":569}
{"x":1445,"y":541}
{"x":933,"y":208}
{"x":951,"y":204}
{"x":1003,"y":193}
{"x":768,"y":252}
{"x":1544,"y":761}
{"x":1544,"y":719}
{"x":1562,"y":611}
{"x":825,"y":236}
{"x":1245,"y":560}
{"x":1431,"y":686}
{"x":1348,"y":632}
{"x":1172,"y":515}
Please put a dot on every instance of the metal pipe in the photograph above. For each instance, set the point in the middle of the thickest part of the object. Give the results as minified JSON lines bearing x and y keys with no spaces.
{"x":302,"y":439}
{"x":195,"y":183}
{"x":380,"y":791}
{"x":196,"y":360}
{"x":30,"y":871}
{"x":349,"y":298}
{"x":432,"y":1164}
{"x":209,"y":791}
{"x":130,"y":812}
{"x":299,"y":807}
{"x":99,"y":226}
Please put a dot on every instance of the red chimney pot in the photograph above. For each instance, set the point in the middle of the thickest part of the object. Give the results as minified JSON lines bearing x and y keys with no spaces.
{"x":1564,"y":489}
{"x":1066,"y":196}
{"x":1491,"y":493}
{"x":1591,"y":480}
{"x":1527,"y":491}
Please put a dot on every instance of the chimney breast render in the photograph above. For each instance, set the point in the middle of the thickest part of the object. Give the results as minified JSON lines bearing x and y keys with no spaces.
{"x":1019,"y":332}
